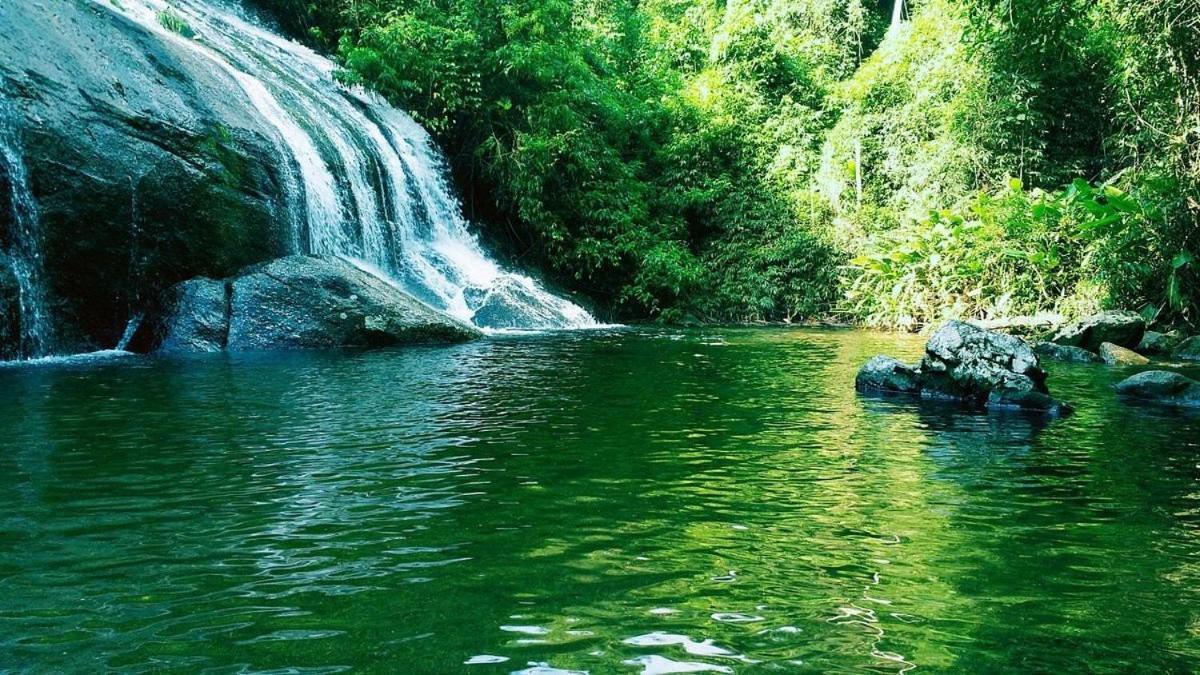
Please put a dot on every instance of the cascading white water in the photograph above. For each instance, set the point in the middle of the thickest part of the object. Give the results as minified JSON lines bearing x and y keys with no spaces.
{"x":371,"y":185}
{"x":24,"y":250}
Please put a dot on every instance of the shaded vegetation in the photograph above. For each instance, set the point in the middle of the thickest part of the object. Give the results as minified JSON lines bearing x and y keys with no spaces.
{"x":781,"y":159}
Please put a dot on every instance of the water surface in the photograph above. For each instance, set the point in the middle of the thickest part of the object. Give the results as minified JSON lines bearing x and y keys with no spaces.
{"x":621,"y":502}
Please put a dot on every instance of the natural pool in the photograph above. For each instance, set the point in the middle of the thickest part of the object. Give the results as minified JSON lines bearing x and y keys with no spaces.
{"x":617,"y":502}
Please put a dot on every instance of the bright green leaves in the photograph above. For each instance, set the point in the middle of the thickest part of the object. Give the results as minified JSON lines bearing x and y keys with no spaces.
{"x":1009,"y":252}
{"x":172,"y":21}
{"x":680,"y":158}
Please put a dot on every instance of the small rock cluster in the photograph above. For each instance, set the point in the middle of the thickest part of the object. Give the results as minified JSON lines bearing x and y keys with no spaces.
{"x":1121,"y":339}
{"x":1117,"y":338}
{"x":968,"y":365}
{"x":990,"y":370}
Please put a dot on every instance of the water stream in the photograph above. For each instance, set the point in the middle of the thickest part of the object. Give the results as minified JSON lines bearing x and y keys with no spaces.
{"x":23,"y":249}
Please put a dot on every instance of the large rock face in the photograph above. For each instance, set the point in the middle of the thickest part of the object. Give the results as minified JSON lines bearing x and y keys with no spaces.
{"x":147,"y":164}
{"x":970,"y":365}
{"x":1124,"y":329}
{"x":10,"y":313}
{"x":1163,"y":388}
{"x":298,"y":302}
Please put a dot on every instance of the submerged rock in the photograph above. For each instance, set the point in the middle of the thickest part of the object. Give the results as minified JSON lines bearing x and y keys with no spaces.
{"x":969,"y":365}
{"x":1162,"y":387}
{"x":1189,"y":349}
{"x":1158,"y":344}
{"x":1066,"y":353}
{"x":296,"y":302}
{"x":1124,"y":329}
{"x":1120,"y":356}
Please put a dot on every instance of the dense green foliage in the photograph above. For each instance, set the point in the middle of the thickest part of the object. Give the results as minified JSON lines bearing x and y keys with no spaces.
{"x":776,"y":159}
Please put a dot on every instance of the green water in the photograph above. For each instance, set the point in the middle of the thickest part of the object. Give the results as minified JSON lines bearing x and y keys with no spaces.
{"x":624,"y":502}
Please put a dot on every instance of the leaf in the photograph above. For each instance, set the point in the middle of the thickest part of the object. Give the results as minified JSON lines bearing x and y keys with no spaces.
{"x":1182,"y":259}
{"x":1015,"y":184}
{"x":1100,"y":222}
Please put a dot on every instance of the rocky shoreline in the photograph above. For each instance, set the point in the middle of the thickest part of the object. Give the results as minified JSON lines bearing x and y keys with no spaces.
{"x":986,"y":369}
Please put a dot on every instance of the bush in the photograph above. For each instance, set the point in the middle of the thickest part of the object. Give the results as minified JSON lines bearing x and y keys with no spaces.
{"x":684,"y":158}
{"x":1014,"y":252}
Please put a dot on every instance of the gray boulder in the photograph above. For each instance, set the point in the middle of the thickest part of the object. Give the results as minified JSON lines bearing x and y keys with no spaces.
{"x":1065,"y":353}
{"x":1124,"y":329}
{"x":499,"y":306}
{"x":514,"y":302}
{"x":1159,"y":344}
{"x":296,"y":302}
{"x":312,"y":302}
{"x":969,"y":365}
{"x":1189,"y":349}
{"x":1162,"y":387}
{"x":884,"y":373}
{"x":969,"y":362}
{"x":1120,"y":356}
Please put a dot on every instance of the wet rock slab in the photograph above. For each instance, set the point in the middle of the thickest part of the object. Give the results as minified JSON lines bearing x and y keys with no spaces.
{"x":297,"y":302}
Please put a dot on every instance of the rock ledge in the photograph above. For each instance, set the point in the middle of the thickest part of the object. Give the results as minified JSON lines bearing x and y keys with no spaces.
{"x":298,"y":302}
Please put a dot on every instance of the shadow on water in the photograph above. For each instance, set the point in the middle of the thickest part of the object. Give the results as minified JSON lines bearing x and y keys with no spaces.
{"x":620,"y":501}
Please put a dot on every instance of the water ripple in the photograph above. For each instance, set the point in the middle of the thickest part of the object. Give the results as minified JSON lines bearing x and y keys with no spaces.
{"x":631,"y":500}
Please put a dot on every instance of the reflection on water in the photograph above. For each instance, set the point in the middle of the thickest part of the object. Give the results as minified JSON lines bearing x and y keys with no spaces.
{"x":633,"y":501}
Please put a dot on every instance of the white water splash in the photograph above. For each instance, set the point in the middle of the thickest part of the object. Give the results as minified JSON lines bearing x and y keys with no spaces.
{"x":372,"y":186}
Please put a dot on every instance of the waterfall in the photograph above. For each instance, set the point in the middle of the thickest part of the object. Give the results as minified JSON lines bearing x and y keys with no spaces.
{"x":24,"y":247}
{"x":131,"y":329}
{"x":364,"y":181}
